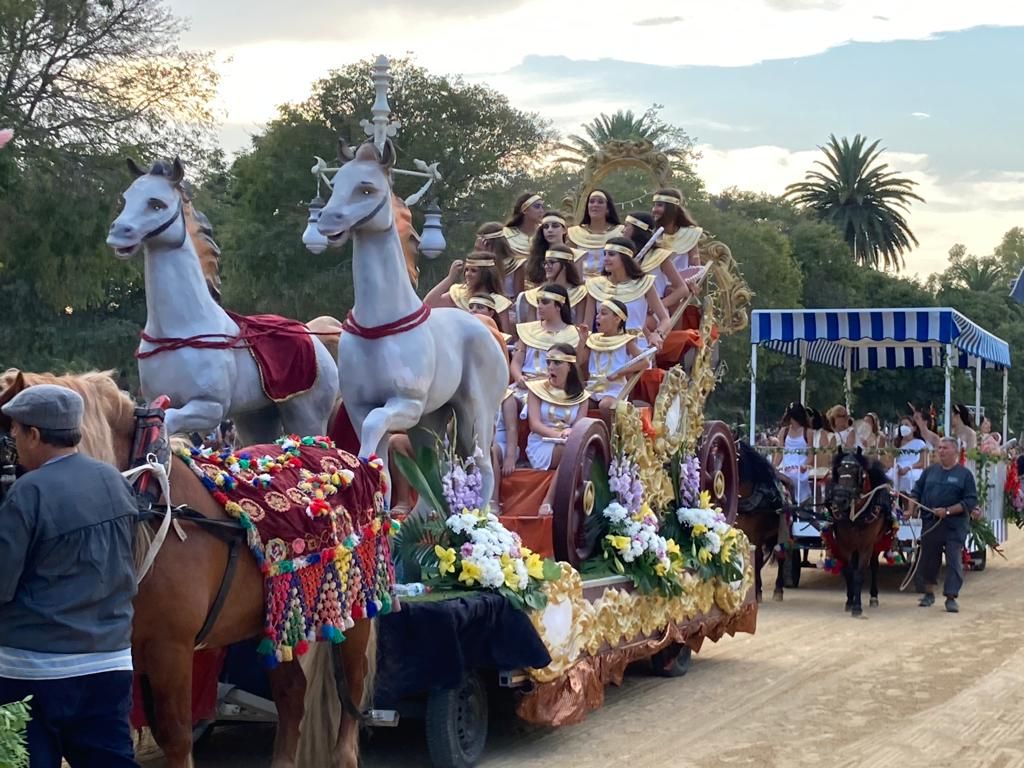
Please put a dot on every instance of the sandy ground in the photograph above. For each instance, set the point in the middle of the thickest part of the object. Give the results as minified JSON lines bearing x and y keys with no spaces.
{"x":903,"y":686}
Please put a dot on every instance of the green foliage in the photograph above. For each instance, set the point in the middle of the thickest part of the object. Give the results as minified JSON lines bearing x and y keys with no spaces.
{"x":864,"y":201}
{"x":14,"y":718}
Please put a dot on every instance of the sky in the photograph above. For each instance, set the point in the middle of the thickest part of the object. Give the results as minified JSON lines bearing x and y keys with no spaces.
{"x":760,"y":84}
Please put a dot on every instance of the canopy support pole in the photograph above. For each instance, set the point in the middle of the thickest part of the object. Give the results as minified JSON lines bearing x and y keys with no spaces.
{"x":753,"y":393}
{"x":1006,"y":403}
{"x":848,"y":388}
{"x":948,"y":403}
{"x":977,"y":393}
{"x":803,"y":373}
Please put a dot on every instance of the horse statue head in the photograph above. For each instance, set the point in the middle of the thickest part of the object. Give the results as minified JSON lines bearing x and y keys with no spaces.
{"x":857,"y":487}
{"x":361,"y":193}
{"x":153,"y":211}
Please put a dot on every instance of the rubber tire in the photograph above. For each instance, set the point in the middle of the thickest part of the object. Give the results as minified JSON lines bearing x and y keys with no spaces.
{"x":456,"y":724}
{"x":979,"y":560}
{"x":672,"y":661}
{"x":201,"y":733}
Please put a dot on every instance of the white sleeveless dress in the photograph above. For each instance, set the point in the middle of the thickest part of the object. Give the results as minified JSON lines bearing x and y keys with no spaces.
{"x":538,"y":450}
{"x":909,"y":454}
{"x":603,"y":362}
{"x":794,"y":455}
{"x":633,"y":294}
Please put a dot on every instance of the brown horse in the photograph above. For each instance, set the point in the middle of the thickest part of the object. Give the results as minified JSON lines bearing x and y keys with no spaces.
{"x":763,"y":514}
{"x":860,"y":505}
{"x":175,"y":598}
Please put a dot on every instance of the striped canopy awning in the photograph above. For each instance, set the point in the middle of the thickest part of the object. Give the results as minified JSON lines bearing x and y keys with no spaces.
{"x":871,"y":339}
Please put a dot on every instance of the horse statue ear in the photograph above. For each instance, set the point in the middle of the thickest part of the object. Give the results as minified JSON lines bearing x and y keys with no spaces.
{"x":134,"y":168}
{"x":367,"y":151}
{"x":389,"y":155}
{"x":345,"y":153}
{"x":177,"y":171}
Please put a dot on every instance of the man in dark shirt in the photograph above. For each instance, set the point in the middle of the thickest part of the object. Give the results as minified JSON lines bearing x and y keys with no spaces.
{"x":67,"y":580}
{"x":947,"y":494}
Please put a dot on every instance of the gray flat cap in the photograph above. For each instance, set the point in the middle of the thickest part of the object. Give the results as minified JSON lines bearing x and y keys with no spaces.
{"x":46,"y":407}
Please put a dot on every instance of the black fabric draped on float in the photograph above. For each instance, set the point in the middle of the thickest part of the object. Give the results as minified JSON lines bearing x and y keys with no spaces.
{"x":434,"y":644}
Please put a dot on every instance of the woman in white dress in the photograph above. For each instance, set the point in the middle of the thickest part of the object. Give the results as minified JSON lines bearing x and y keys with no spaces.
{"x":555,"y":403}
{"x":912,"y":456}
{"x":481,"y":279}
{"x":795,"y":460}
{"x":600,"y":223}
{"x":607,"y":352}
{"x":625,"y":281}
{"x":668,"y":282}
{"x":514,"y":247}
{"x":551,"y":233}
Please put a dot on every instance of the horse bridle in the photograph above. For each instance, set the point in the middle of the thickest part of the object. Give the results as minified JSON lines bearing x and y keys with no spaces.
{"x":179,"y":212}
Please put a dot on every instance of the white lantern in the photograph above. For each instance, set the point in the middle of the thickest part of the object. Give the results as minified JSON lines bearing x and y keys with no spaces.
{"x":432,"y":243}
{"x":311,"y":238}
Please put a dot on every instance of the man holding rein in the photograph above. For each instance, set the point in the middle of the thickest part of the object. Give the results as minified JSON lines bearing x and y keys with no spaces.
{"x":947,"y":493}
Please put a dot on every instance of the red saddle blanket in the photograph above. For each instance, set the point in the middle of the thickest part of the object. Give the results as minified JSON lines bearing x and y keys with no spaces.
{"x":315,"y":521}
{"x":284,"y":353}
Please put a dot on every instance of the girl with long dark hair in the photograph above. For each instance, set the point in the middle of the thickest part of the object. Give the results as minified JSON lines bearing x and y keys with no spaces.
{"x":560,"y":269}
{"x":600,"y":222}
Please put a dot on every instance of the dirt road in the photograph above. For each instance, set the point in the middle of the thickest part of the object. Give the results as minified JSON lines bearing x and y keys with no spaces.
{"x":903,"y":686}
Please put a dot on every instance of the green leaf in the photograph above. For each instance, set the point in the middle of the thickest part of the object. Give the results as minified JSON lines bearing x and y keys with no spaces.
{"x":552,"y":570}
{"x":416,"y":474}
{"x":536,"y":600}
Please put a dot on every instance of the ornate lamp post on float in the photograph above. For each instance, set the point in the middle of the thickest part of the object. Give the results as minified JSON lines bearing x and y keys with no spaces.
{"x":381,"y":128}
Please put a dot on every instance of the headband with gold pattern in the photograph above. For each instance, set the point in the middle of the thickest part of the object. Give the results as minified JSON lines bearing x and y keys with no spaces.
{"x":553,"y":217}
{"x":614,"y":309}
{"x":483,"y":301}
{"x":560,"y":357}
{"x":492,"y":235}
{"x":616,"y":248}
{"x":561,"y":255}
{"x":479,"y":261}
{"x":668,"y":199}
{"x":555,"y":297}
{"x":637,"y":223}
{"x":529,"y":201}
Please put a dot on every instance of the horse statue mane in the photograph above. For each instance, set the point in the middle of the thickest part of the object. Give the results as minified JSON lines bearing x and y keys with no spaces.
{"x":201,"y":231}
{"x":109,"y":411}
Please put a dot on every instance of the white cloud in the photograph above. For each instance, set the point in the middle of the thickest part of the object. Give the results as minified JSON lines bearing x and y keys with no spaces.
{"x":973,"y":211}
{"x":920,"y":115}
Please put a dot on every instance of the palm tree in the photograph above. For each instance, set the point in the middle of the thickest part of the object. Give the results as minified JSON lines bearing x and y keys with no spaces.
{"x":624,"y":125}
{"x":862,"y":199}
{"x":984,"y":275}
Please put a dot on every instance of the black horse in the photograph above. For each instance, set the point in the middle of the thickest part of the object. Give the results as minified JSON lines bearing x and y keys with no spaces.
{"x":859,"y":500}
{"x":763,"y":513}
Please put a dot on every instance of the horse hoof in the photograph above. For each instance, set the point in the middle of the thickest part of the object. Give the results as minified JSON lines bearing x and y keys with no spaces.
{"x":873,"y":602}
{"x":777,"y":597}
{"x":848,"y":607}
{"x":757,"y":597}
{"x":856,"y":612}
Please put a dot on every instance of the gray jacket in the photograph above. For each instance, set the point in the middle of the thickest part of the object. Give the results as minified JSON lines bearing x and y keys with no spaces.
{"x":938,"y":487}
{"x":67,"y":576}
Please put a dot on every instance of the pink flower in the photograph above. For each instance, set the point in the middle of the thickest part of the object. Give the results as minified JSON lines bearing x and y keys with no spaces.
{"x":6,"y":134}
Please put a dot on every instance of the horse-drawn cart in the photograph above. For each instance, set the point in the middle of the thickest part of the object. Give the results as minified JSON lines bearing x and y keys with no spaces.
{"x":862,"y":340}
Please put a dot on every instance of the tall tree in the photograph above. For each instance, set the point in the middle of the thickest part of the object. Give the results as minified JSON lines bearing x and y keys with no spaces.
{"x":856,"y":193}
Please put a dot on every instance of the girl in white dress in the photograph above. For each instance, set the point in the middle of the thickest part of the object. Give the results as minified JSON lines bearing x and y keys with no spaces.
{"x":606,"y":352}
{"x":600,"y":223}
{"x":514,"y":247}
{"x":552,"y":232}
{"x":555,"y":403}
{"x":559,"y":267}
{"x":657,"y":262}
{"x":910,"y":461}
{"x":682,"y":234}
{"x":795,"y":461}
{"x":625,"y":281}
{"x":481,"y":278}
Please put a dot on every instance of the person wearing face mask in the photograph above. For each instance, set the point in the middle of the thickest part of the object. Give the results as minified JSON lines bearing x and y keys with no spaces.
{"x":911,"y":459}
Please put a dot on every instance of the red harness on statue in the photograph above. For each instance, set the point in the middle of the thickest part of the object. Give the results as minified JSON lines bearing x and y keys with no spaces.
{"x":401,"y":325}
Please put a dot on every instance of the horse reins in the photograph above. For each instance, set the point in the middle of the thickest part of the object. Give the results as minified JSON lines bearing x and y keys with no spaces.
{"x":179,"y":212}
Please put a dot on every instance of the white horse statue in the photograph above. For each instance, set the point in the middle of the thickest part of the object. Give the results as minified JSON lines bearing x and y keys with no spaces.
{"x":407,"y":368}
{"x":192,"y":350}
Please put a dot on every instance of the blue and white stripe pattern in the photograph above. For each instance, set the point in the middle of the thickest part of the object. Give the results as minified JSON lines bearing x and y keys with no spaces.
{"x":871,"y":339}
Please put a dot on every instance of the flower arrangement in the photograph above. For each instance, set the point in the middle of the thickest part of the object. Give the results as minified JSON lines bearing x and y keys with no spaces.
{"x":624,"y":481}
{"x":707,"y":541}
{"x":460,"y":544}
{"x":14,"y":718}
{"x":689,"y":481}
{"x":635,"y":548}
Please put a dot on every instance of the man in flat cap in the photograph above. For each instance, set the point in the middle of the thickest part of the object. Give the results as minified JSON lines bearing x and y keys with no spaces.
{"x":67,"y":580}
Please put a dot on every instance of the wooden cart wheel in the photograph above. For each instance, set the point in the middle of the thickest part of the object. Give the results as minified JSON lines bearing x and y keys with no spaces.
{"x":718,"y":472}
{"x":574,"y":493}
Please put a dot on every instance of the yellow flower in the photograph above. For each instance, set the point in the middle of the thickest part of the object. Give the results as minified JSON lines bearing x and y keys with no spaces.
{"x":699,"y":530}
{"x":471,"y":573}
{"x":645,"y":509}
{"x":621,"y":543}
{"x":525,"y":552}
{"x":511,"y":578}
{"x":671,"y":547}
{"x":534,"y":566}
{"x":704,"y":555}
{"x":705,"y":500}
{"x":660,"y":569}
{"x":445,"y":559}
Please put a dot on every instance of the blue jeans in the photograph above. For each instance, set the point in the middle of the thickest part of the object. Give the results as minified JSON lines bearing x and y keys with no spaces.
{"x":946,"y":538}
{"x":82,"y":719}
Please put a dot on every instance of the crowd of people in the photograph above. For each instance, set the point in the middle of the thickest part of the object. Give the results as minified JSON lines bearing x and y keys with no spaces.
{"x":577,"y":306}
